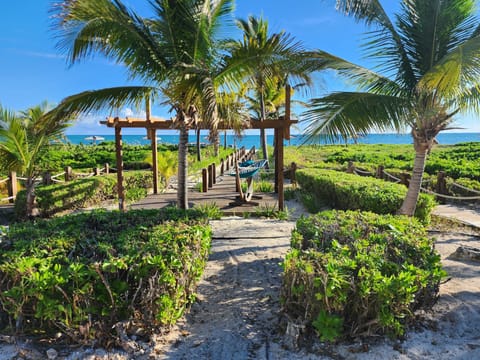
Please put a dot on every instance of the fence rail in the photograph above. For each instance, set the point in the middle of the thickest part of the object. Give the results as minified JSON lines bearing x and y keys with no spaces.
{"x":441,"y":189}
{"x":47,"y":178}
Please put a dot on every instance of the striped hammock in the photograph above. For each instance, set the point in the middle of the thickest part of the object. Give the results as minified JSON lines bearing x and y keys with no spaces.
{"x":248,"y":168}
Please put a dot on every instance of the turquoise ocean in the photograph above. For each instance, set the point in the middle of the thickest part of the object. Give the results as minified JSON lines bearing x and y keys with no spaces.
{"x":254,"y":140}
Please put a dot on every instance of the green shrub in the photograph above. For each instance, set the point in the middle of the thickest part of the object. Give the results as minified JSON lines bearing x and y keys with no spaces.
{"x":82,"y":274}
{"x":352,"y":273}
{"x":81,"y":193}
{"x":352,"y":192}
{"x":259,"y":186}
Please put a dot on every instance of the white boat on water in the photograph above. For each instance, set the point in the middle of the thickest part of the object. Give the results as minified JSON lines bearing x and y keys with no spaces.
{"x":94,"y":138}
{"x":147,"y":138}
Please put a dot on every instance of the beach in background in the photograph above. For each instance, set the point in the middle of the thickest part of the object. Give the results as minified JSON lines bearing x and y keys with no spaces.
{"x":254,"y":140}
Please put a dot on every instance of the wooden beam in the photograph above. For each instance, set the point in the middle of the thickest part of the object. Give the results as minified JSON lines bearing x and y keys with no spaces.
{"x":119,"y":156}
{"x":162,"y":124}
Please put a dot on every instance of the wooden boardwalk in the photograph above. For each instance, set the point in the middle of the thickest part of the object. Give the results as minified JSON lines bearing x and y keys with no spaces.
{"x":222,"y":194}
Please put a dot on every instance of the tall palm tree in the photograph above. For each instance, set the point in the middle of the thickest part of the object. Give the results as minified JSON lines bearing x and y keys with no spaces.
{"x":271,"y":56}
{"x":24,"y":138}
{"x":176,"y":53}
{"x":428,"y":70}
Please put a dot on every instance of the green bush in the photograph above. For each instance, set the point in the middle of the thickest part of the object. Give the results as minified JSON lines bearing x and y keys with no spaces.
{"x":352,"y":192}
{"x":81,"y":193}
{"x":353,"y":274}
{"x":82,"y":274}
{"x":263,"y":186}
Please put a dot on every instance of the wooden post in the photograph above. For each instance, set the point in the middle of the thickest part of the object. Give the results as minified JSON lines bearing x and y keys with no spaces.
{"x":96,"y":171}
{"x":68,"y":174}
{"x":214,"y":173}
{"x":153,"y":139}
{"x":351,"y":167}
{"x":119,"y":156}
{"x":441,"y":187}
{"x":275,"y":142}
{"x":210,"y":176}
{"x":47,"y":178}
{"x":405,"y":179}
{"x":107,"y":168}
{"x":12,"y":185}
{"x":293,"y":173}
{"x":281,"y":195}
{"x":204,"y":180}
{"x":284,"y":133}
{"x":380,"y":174}
{"x":222,"y":167}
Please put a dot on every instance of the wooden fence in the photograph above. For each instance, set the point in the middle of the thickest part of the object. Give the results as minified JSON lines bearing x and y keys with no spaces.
{"x":440,"y":190}
{"x":209,"y":174}
{"x":47,"y":179}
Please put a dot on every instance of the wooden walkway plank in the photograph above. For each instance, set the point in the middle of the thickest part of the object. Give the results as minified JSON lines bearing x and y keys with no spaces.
{"x":222,"y":194}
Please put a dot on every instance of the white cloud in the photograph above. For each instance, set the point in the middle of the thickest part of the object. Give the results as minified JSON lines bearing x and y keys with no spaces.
{"x":90,"y":119}
{"x":128,"y":112}
{"x":44,"y":55}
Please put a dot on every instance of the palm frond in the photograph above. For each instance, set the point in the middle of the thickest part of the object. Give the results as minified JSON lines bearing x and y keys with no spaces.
{"x":456,"y":73}
{"x":346,"y":114}
{"x":383,"y":43}
{"x":103,"y":99}
{"x":107,"y":26}
{"x":432,"y":29}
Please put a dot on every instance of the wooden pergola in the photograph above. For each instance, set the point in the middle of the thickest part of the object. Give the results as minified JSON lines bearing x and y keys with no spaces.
{"x":281,"y":128}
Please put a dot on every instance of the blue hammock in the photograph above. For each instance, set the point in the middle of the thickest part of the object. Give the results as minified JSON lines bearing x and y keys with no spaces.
{"x":248,"y":168}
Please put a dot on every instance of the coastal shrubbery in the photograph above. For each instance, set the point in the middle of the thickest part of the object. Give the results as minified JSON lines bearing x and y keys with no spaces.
{"x":460,"y":160}
{"x":84,"y":275}
{"x":81,"y":193}
{"x":352,"y":192}
{"x":357,"y":273}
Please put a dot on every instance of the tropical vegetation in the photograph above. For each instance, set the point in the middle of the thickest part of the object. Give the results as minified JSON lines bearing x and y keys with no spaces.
{"x":92,"y":276}
{"x":275,"y":60}
{"x":177,"y":54}
{"x":344,"y":191}
{"x":351,"y":274}
{"x":24,"y":139}
{"x":427,"y":70}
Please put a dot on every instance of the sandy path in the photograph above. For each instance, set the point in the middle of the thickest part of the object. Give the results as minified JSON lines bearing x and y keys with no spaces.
{"x":237,"y":312}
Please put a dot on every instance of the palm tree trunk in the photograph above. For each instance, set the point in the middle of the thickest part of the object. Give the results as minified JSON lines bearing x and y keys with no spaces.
{"x":215,"y":139}
{"x":199,"y":152}
{"x":410,"y":201}
{"x":225,"y":140}
{"x":182,"y":194}
{"x":263,"y":134}
{"x":30,"y":196}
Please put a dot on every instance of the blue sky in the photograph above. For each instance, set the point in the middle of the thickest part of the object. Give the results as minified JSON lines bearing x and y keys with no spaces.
{"x":33,"y":70}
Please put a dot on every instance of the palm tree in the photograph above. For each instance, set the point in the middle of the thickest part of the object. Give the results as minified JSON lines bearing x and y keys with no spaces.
{"x":272,"y":57}
{"x":428,"y":63}
{"x":232,"y":113}
{"x":24,"y":138}
{"x":176,"y":53}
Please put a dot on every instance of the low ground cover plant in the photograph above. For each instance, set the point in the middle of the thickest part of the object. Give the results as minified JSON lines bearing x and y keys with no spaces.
{"x":355,"y":273}
{"x":83,"y":275}
{"x":352,"y":192}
